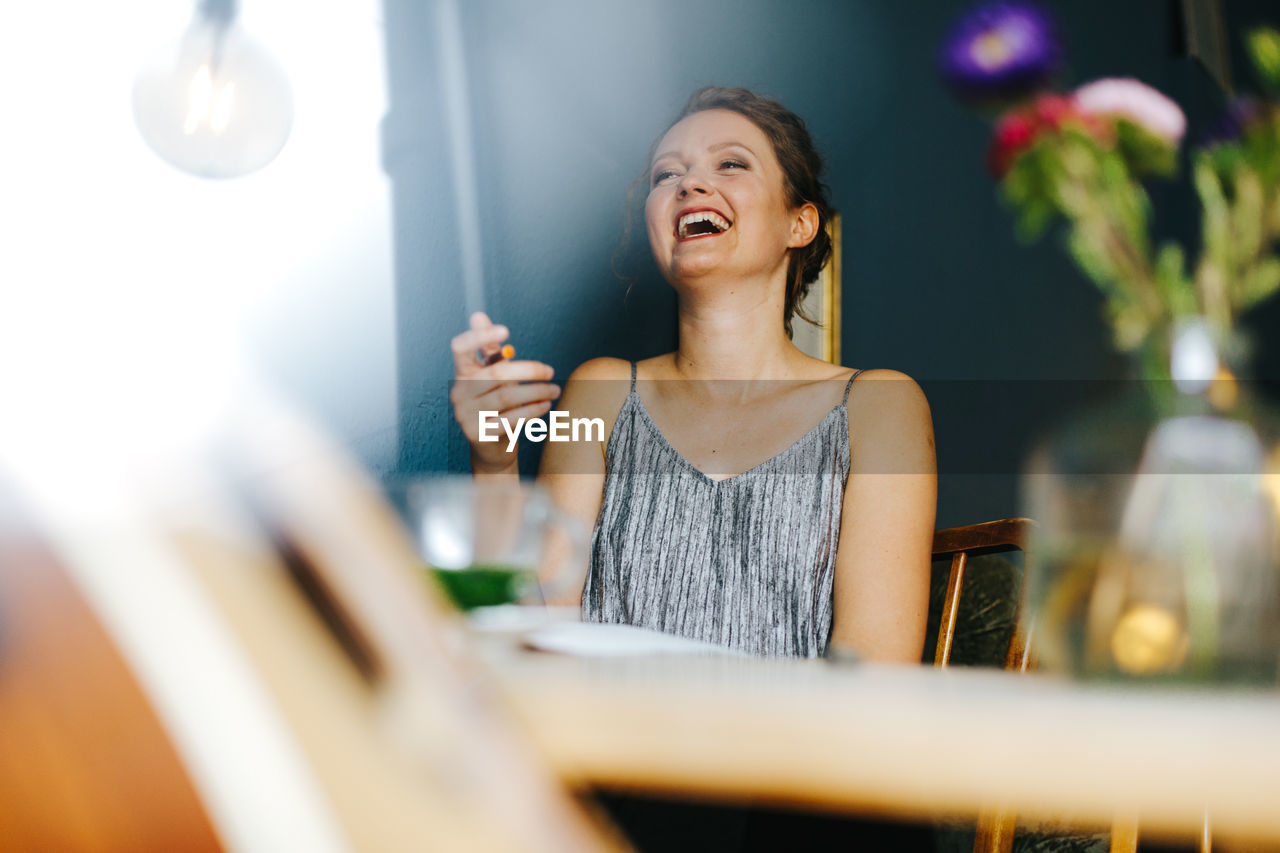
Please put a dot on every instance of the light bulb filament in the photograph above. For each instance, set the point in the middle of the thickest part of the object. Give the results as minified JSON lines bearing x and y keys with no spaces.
{"x":199,"y":93}
{"x":222,"y":108}
{"x":208,"y":103}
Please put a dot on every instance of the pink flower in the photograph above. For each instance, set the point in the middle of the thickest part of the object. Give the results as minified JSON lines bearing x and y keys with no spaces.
{"x":1135,"y":101}
{"x":1019,"y":129}
{"x":1053,"y":111}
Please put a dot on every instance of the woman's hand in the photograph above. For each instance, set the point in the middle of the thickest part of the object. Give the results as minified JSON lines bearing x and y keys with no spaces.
{"x":513,"y":389}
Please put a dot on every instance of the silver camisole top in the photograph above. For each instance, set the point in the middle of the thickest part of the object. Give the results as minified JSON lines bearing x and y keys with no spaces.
{"x":746,"y":562}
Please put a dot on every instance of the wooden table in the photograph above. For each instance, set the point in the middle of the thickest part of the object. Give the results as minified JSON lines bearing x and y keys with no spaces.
{"x":909,"y":742}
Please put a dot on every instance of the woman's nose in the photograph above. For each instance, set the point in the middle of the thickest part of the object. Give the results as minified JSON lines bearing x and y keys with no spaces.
{"x":693,"y":183}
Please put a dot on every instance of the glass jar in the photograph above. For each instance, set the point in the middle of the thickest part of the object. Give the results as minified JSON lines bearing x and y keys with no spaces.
{"x":1157,"y":554}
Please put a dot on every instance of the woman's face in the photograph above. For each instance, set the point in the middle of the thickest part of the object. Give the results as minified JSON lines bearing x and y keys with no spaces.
{"x":717,"y":204}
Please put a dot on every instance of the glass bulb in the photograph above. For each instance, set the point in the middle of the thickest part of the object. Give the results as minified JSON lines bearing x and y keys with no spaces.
{"x":216,"y":103}
{"x":1194,"y":359}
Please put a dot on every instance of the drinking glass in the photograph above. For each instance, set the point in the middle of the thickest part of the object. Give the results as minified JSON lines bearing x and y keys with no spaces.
{"x":490,"y":543}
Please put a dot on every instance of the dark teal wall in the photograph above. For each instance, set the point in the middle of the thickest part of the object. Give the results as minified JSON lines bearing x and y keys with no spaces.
{"x":568,"y":96}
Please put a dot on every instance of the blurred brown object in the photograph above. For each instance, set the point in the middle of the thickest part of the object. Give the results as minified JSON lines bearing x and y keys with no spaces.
{"x":84,"y":762}
{"x":391,"y":733}
{"x":417,"y":740}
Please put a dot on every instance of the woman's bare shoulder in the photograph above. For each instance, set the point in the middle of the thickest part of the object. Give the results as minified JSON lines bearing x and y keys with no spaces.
{"x":603,"y":368}
{"x":598,"y":387}
{"x":896,"y":381}
{"x":884,"y":402}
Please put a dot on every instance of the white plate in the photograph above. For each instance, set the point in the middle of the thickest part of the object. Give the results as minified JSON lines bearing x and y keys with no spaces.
{"x":590,"y":639}
{"x":514,"y":617}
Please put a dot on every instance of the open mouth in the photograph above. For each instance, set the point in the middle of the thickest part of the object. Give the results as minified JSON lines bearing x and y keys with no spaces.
{"x":701,"y":223}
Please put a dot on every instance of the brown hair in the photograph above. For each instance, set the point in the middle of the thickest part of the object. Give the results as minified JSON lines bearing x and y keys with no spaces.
{"x":801,"y":177}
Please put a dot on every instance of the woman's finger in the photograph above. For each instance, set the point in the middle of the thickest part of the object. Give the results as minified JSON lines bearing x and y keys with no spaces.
{"x":501,"y":399}
{"x":484,"y":380}
{"x":508,"y":401}
{"x":473,"y":339}
{"x":470,"y":395}
{"x":523,"y":370}
{"x":513,"y":396}
{"x":466,"y":345}
{"x":532,"y":410}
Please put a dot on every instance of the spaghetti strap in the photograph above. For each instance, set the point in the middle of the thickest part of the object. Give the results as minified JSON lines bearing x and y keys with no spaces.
{"x":848,"y":386}
{"x":633,"y":379}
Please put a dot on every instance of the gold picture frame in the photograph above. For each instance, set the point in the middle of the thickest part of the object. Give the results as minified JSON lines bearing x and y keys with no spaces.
{"x":823,"y":304}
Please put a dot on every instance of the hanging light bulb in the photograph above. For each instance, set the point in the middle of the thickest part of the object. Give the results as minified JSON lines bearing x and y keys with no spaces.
{"x":216,"y":103}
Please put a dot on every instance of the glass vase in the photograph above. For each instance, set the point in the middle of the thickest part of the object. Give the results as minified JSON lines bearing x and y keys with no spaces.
{"x":1157,"y":554}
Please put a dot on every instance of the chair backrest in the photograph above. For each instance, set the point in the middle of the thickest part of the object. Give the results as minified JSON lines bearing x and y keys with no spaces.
{"x":961,"y":543}
{"x":995,"y":828}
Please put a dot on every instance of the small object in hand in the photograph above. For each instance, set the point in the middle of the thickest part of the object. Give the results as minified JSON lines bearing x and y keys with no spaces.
{"x":507,"y":351}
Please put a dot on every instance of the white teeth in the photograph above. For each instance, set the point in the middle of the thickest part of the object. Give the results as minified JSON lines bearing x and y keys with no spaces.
{"x":682,"y":227}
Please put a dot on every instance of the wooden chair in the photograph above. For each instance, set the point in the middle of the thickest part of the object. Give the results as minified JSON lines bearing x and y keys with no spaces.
{"x":961,"y":543}
{"x":995,"y":828}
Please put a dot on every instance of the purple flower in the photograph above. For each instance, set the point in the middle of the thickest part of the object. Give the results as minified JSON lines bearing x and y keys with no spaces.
{"x":1000,"y":50}
{"x":1230,"y":126}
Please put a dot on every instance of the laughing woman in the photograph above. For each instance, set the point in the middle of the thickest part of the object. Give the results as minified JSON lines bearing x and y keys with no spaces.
{"x":744,"y":493}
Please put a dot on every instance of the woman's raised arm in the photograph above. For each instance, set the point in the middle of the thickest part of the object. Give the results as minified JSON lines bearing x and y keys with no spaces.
{"x":573,"y":471}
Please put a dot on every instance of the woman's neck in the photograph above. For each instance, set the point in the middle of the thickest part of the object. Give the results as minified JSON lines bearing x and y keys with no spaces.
{"x":733,"y":334}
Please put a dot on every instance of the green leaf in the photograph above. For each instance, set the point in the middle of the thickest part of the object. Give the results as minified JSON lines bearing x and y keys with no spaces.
{"x":1260,"y":282}
{"x":1124,"y":201}
{"x":1260,"y":146}
{"x":1036,"y":216}
{"x":1085,"y":243}
{"x":1224,"y":159}
{"x":1143,"y":151}
{"x":1217,"y":227}
{"x":1171,"y":278}
{"x":1264,"y":49}
{"x":1246,"y":218}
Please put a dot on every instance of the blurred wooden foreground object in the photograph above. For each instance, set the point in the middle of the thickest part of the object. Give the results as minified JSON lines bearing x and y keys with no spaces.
{"x":250,"y":662}
{"x":907,"y":742}
{"x":910,"y":742}
{"x":84,"y":761}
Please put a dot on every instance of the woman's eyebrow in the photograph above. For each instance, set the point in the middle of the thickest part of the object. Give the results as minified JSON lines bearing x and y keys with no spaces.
{"x":722,"y":145}
{"x":719,"y":146}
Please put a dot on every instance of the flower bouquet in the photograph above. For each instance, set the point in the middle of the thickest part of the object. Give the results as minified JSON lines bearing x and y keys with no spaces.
{"x":1080,"y":158}
{"x":1142,"y":573}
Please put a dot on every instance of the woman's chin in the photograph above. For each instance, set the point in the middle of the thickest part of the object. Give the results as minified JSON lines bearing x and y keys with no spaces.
{"x":696,"y":265}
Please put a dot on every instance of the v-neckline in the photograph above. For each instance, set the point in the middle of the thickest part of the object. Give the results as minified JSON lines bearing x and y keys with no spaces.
{"x":657,"y":431}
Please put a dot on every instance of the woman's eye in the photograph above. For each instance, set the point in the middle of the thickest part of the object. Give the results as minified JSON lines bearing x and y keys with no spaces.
{"x":733,"y":164}
{"x":665,"y":174}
